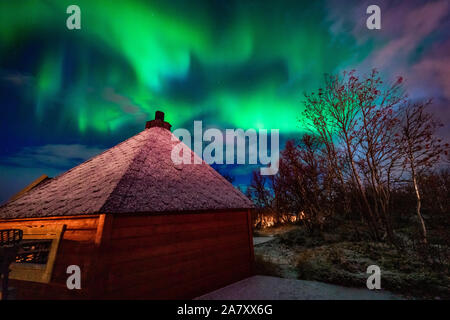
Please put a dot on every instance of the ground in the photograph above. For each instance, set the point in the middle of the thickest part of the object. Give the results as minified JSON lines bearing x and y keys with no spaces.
{"x":275,"y":288}
{"x":289,"y":252}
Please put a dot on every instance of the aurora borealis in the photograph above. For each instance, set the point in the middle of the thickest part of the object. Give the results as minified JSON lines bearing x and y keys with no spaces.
{"x":68,"y":94}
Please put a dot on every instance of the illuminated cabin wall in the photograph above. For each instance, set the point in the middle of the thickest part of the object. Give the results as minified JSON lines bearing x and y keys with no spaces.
{"x":146,"y":256}
{"x":178,"y":256}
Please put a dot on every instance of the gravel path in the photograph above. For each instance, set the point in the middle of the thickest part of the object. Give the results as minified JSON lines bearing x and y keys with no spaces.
{"x":260,"y":240}
{"x":272,"y":288}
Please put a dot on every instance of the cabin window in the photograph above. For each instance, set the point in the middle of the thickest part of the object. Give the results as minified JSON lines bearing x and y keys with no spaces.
{"x":34,"y":251}
{"x":37,"y":254}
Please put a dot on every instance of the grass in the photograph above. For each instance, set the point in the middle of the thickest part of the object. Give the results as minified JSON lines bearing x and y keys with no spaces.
{"x":345,"y":263}
{"x":337,"y":256}
{"x":266,"y":268}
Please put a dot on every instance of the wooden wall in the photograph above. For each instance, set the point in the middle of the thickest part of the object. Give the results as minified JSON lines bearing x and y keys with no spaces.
{"x":177,"y":256}
{"x":172,"y":256}
{"x":77,"y":246}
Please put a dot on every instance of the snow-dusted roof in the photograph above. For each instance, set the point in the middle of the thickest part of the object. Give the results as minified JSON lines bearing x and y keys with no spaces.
{"x":135,"y":176}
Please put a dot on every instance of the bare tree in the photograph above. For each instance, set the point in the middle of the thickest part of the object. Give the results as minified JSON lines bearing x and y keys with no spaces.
{"x":378,"y":119}
{"x":364,"y":140}
{"x":355,"y":113}
{"x":420,"y":147}
{"x":261,"y":194}
{"x":302,"y":182}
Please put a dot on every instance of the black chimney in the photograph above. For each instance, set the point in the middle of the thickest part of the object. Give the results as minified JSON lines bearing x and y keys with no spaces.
{"x":159,"y":115}
{"x":158,"y":122}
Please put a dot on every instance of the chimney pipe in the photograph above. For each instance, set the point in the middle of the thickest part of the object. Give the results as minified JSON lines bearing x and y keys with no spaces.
{"x":158,"y":122}
{"x":159,"y":115}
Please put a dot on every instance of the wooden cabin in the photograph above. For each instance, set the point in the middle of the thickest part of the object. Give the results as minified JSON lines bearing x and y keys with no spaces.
{"x":137,"y":225}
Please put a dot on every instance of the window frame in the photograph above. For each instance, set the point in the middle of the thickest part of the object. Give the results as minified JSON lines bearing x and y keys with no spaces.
{"x":36,"y":272}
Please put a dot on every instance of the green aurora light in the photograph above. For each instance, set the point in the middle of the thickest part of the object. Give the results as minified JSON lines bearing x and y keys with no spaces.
{"x":243,"y":64}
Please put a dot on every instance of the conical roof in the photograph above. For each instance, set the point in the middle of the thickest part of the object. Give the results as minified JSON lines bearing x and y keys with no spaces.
{"x":136,"y":176}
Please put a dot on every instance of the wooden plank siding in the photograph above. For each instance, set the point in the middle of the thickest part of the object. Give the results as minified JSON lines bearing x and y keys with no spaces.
{"x":76,"y":247}
{"x":145,"y":256}
{"x":177,"y":256}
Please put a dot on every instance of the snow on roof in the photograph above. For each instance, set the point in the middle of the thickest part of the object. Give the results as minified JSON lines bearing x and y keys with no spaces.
{"x":135,"y":176}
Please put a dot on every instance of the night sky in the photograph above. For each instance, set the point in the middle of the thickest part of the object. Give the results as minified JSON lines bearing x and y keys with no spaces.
{"x":67,"y":95}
